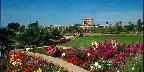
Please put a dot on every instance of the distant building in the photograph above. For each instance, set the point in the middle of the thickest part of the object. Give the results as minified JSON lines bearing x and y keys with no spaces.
{"x":87,"y":23}
{"x":60,"y":26}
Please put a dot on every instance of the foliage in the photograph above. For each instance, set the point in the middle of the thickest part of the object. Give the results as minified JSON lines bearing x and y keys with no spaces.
{"x":139,"y":26}
{"x":5,"y":36}
{"x":56,"y":32}
{"x":34,"y":34}
{"x":118,"y":28}
{"x":13,"y":26}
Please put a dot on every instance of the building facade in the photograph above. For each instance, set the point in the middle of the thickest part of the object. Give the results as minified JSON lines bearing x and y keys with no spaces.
{"x":87,"y":23}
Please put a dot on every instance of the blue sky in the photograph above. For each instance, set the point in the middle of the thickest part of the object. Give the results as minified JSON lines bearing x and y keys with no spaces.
{"x":68,"y":12}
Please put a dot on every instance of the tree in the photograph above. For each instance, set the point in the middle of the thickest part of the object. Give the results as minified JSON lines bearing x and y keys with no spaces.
{"x":31,"y":36}
{"x":13,"y":26}
{"x":56,"y":32}
{"x":142,"y":25}
{"x":107,"y":22}
{"x":76,"y":28}
{"x":120,"y":22}
{"x":22,"y":28}
{"x":98,"y":25}
{"x":5,"y":36}
{"x":139,"y":25}
{"x":110,"y":29}
{"x":118,"y":27}
{"x":131,"y":27}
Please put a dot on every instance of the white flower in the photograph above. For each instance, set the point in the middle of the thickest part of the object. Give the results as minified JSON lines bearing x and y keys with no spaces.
{"x":94,"y":48}
{"x":13,"y":63}
{"x":132,"y":68}
{"x":96,"y":64}
{"x":96,"y":44}
{"x":99,"y":66}
{"x":63,"y":54}
{"x":91,"y":67}
{"x":92,"y":43}
{"x":114,"y":45}
{"x":88,"y":54}
{"x":118,"y":71}
{"x":20,"y":63}
{"x":27,"y":49}
{"x":109,"y":64}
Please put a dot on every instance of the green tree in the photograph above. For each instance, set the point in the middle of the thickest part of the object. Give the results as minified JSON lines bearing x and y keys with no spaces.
{"x":139,"y":26}
{"x":131,"y":27}
{"x":13,"y":26}
{"x":70,"y":30}
{"x":107,"y":22}
{"x":32,"y":34}
{"x":76,"y":28}
{"x":110,"y":29}
{"x":119,"y":28}
{"x":22,"y":28}
{"x":56,"y":32}
{"x":5,"y":35}
{"x":120,"y":22}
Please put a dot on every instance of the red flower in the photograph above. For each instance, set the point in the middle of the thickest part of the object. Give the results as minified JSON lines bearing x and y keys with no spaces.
{"x":119,"y":59}
{"x":89,"y":62}
{"x":51,"y":49}
{"x":19,"y":56}
{"x":75,"y":60}
{"x":27,"y":69}
{"x":108,"y":71}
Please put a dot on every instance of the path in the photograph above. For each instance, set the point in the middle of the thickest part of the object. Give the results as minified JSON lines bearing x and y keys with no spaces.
{"x":63,"y":47}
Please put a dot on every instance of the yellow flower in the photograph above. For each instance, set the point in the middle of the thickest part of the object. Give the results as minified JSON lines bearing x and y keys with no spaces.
{"x":11,"y":58}
{"x":39,"y":70}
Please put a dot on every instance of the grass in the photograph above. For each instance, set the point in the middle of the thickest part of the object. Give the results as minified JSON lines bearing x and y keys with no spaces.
{"x":86,"y":41}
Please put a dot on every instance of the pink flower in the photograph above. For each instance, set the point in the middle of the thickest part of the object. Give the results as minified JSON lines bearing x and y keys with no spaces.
{"x":119,"y":59}
{"x":51,"y":49}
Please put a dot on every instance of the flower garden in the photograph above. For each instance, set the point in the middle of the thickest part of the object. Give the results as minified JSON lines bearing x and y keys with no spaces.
{"x":109,"y":56}
{"x":20,"y":62}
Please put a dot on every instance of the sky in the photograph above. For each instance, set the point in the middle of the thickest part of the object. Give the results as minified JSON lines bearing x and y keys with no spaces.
{"x":69,"y":12}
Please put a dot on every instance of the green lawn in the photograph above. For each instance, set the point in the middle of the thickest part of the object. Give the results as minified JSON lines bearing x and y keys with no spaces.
{"x":86,"y":41}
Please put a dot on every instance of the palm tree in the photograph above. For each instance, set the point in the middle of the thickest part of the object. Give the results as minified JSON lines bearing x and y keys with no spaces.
{"x":120,"y":23}
{"x":129,"y":23}
{"x":107,"y":22}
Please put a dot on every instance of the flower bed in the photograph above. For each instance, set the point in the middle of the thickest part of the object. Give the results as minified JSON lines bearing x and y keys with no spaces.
{"x":57,"y":40}
{"x":20,"y":62}
{"x":102,"y":56}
